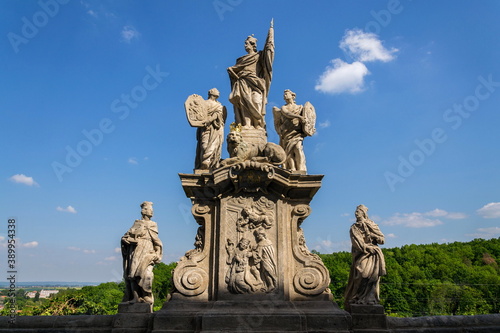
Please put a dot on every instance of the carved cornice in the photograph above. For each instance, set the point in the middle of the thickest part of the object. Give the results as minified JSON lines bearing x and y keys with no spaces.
{"x":251,"y":177}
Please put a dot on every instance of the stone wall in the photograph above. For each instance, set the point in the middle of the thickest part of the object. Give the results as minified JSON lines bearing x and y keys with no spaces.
{"x":130,"y":323}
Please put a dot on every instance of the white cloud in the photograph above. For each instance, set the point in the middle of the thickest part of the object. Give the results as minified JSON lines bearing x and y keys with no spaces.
{"x":391,"y":236}
{"x":128,"y":33}
{"x":442,"y":213}
{"x":23,"y":179}
{"x":486,"y":233}
{"x":92,"y":13}
{"x":324,"y":124}
{"x":89,"y":251}
{"x":30,"y":244}
{"x":412,"y":220}
{"x":490,"y":211}
{"x":118,"y":250}
{"x":342,"y":77}
{"x":365,"y":46}
{"x":132,"y":160}
{"x":111,"y":258}
{"x":68,"y":209}
{"x":73,"y":248}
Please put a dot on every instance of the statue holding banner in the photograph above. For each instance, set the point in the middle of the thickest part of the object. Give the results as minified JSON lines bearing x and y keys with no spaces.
{"x":250,"y":82}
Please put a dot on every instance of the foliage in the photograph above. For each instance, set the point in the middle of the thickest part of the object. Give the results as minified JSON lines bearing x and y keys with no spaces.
{"x":434,"y":279}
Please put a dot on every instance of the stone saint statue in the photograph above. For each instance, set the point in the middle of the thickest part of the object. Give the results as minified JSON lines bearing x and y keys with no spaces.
{"x":368,"y":263}
{"x":265,"y":259}
{"x":293,"y":123}
{"x":250,"y":82}
{"x":209,"y":117}
{"x":141,"y":250}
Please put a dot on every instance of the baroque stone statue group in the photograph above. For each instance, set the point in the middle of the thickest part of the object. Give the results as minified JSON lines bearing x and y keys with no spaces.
{"x":250,"y":247}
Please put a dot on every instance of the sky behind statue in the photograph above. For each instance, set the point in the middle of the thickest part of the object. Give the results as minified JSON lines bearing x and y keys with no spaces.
{"x":93,"y":121}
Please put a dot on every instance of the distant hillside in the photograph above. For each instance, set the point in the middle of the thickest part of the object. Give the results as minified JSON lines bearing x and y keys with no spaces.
{"x":434,"y":279}
{"x":50,"y":284}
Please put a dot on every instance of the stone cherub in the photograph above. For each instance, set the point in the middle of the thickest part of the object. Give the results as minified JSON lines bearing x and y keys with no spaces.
{"x":141,"y":250}
{"x":368,"y":263}
{"x":209,"y":117}
{"x":293,"y":123}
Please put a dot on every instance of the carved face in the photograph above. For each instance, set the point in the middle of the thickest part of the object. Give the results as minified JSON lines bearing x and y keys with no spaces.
{"x":234,"y":137}
{"x":243,"y":244}
{"x":147,"y":210}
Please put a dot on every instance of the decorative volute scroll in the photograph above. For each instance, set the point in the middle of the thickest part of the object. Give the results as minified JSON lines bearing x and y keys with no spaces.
{"x":313,"y":277}
{"x":191,"y":276}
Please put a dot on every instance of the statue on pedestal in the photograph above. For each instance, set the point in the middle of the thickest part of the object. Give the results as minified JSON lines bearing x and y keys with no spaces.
{"x":209,"y":117}
{"x":250,"y":82}
{"x":368,"y":263}
{"x":141,"y":250}
{"x":293,"y":123}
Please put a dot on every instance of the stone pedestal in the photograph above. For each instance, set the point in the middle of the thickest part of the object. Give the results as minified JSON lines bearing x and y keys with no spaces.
{"x":250,"y":269}
{"x":135,"y":307}
{"x":368,"y":318}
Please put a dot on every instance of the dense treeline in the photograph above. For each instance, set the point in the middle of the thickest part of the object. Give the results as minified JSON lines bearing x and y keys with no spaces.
{"x":91,"y":300}
{"x":434,"y":279}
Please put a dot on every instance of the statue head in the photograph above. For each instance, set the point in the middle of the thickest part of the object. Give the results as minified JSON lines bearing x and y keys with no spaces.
{"x":289,"y":95}
{"x":361,"y":212}
{"x":214,"y":92}
{"x":251,"y":44}
{"x":243,"y":243}
{"x":147,"y":209}
{"x":259,"y":234}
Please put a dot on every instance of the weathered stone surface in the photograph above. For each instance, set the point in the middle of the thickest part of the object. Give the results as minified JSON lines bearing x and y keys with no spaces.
{"x":292,"y":123}
{"x":141,"y":250}
{"x":368,"y":263}
{"x":250,"y":243}
{"x":250,"y":82}
{"x":368,"y":317}
{"x":209,"y":116}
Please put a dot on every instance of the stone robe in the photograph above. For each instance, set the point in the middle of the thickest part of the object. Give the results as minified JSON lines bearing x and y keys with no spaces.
{"x":368,"y":265}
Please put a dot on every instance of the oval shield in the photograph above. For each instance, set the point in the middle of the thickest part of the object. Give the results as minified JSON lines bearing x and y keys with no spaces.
{"x":309,"y":125}
{"x":196,"y":110}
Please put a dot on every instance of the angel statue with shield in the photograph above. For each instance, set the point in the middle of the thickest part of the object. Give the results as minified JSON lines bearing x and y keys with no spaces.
{"x":293,"y":123}
{"x":209,"y":117}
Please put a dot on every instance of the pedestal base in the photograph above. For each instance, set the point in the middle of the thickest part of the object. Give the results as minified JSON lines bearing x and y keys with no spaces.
{"x":368,"y":318}
{"x":262,"y":316}
{"x":135,"y":308}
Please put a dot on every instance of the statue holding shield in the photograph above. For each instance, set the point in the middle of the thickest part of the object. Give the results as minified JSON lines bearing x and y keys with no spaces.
{"x":209,"y":117}
{"x":293,"y":123}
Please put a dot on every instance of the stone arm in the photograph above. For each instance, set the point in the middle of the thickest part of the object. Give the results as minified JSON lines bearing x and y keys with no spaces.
{"x":291,"y":115}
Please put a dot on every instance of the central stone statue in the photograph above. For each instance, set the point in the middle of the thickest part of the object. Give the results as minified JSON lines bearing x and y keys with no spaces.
{"x":250,"y":82}
{"x":250,"y":269}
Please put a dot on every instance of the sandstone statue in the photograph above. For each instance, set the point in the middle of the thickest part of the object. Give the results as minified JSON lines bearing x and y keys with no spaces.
{"x":368,"y":263}
{"x":242,"y":276}
{"x":209,"y":117}
{"x":250,"y":82}
{"x":141,"y":250}
{"x":265,"y":259}
{"x":239,"y":150}
{"x":292,"y":123}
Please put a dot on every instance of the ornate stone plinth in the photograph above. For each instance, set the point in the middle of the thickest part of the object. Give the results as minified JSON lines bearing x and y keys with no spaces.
{"x":250,"y":258}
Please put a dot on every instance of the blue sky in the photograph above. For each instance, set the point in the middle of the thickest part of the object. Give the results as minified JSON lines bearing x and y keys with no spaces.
{"x":407,"y":96}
